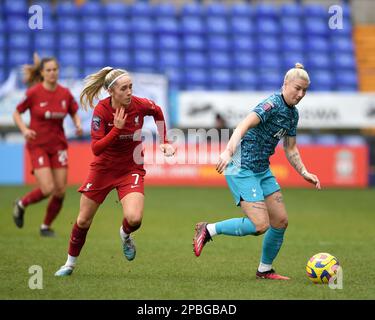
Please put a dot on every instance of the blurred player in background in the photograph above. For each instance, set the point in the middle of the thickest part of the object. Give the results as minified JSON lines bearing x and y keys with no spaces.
{"x":49,"y":103}
{"x":118,"y":164}
{"x":245,"y":162}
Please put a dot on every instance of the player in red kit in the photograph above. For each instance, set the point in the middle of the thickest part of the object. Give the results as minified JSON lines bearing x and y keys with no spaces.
{"x":48,"y":103}
{"x":116,"y":144}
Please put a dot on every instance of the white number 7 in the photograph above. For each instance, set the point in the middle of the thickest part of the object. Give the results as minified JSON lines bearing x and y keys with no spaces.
{"x":136,"y":177}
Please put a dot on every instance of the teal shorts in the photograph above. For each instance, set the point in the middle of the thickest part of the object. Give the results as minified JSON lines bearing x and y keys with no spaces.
{"x":249,"y":186}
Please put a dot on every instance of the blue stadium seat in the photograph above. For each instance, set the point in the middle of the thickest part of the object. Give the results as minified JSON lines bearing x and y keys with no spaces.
{"x":94,"y":40}
{"x":2,"y":40}
{"x":353,"y":140}
{"x":45,"y":40}
{"x":16,"y":24}
{"x":304,"y":139}
{"x":193,"y":9}
{"x":141,"y":9}
{"x":244,"y":60}
{"x":193,"y":42}
{"x":69,"y":73}
{"x":241,"y":25}
{"x":346,"y":30}
{"x":19,"y":7}
{"x":316,"y":43}
{"x":92,"y":9}
{"x":269,"y":79}
{"x":175,"y":78}
{"x":216,"y":9}
{"x":291,"y":25}
{"x":220,"y":79}
{"x":167,"y":25}
{"x":116,"y":10}
{"x":2,"y":75}
{"x":217,"y":59}
{"x":269,"y":60}
{"x":216,"y":25}
{"x":18,"y":57}
{"x":266,"y":10}
{"x":341,"y":44}
{"x":120,"y":59}
{"x":69,"y":57}
{"x":143,"y":41}
{"x":68,"y":40}
{"x":292,"y":42}
{"x":268,"y":26}
{"x":2,"y":59}
{"x":165,"y":10}
{"x":344,"y":61}
{"x":327,"y":139}
{"x":169,"y":42}
{"x":94,"y":58}
{"x":46,"y":52}
{"x":346,"y":81}
{"x":47,"y":8}
{"x":218,"y":42}
{"x":268,"y":43}
{"x":142,"y":24}
{"x":65,"y":24}
{"x":315,"y":10}
{"x":241,"y":9}
{"x":144,"y":60}
{"x":195,"y":59}
{"x":290,"y":58}
{"x":195,"y":79}
{"x":169,"y":59}
{"x":192,"y":25}
{"x":290,"y":10}
{"x":119,"y":40}
{"x":20,"y":40}
{"x":318,"y":60}
{"x":116,"y":24}
{"x":243,"y":43}
{"x":321,"y":80}
{"x":92,"y":24}
{"x":245,"y":80}
{"x":67,"y":9}
{"x":316,"y":26}
{"x":49,"y":24}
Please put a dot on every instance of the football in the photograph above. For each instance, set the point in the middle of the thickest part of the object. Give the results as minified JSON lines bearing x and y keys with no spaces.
{"x":321,"y":267}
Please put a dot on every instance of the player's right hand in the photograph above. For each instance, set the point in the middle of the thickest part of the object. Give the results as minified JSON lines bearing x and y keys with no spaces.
{"x":224,"y":159}
{"x":29,"y":134}
{"x":119,"y":118}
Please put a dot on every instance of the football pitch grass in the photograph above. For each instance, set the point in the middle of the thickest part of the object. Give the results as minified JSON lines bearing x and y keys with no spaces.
{"x":338,"y":221}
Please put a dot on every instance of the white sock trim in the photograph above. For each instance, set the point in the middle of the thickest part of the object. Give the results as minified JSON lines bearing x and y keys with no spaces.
{"x":71,"y":261}
{"x":264,"y":267}
{"x":211,"y":229}
{"x":123,"y":234}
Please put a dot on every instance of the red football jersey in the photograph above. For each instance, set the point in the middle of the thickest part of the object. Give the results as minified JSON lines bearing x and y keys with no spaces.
{"x":124,"y":152}
{"x":47,"y":112}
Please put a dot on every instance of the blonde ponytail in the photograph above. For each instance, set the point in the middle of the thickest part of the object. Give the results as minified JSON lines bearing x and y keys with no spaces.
{"x":95,"y":82}
{"x":298,"y":72}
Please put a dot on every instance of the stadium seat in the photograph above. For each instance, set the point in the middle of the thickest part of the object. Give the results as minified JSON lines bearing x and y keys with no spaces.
{"x":69,"y":57}
{"x":192,"y":9}
{"x":192,"y":25}
{"x":46,"y":52}
{"x":68,"y":24}
{"x":19,"y":7}
{"x":219,"y":59}
{"x":266,"y":10}
{"x":321,"y":80}
{"x":315,"y":26}
{"x":268,"y":43}
{"x":346,"y":29}
{"x":346,"y":80}
{"x":165,"y":10}
{"x":144,"y":60}
{"x":327,"y":139}
{"x":267,"y":26}
{"x":292,"y":42}
{"x":18,"y":57}
{"x":2,"y":41}
{"x":69,"y":72}
{"x":269,"y":60}
{"x":194,"y":59}
{"x":143,"y":41}
{"x":116,"y":10}
{"x":304,"y":139}
{"x":140,"y":9}
{"x":241,"y":25}
{"x":94,"y":40}
{"x":290,"y":25}
{"x":45,"y":40}
{"x":92,"y":9}
{"x":317,"y":44}
{"x":48,"y":9}
{"x":94,"y":58}
{"x":2,"y":74}
{"x":341,"y":44}
{"x":244,"y":60}
{"x":241,"y":9}
{"x":290,"y":10}
{"x":315,"y":10}
{"x":193,"y":42}
{"x":318,"y":60}
{"x":216,"y":9}
{"x":169,"y":59}
{"x":16,"y":24}
{"x":175,"y":78}
{"x":2,"y":60}
{"x":218,"y":42}
{"x":92,"y":24}
{"x":290,"y":58}
{"x":116,"y":24}
{"x":195,"y":79}
{"x":20,"y":40}
{"x":68,"y":40}
{"x":169,"y":42}
{"x":243,"y":43}
{"x":220,"y":79}
{"x":269,"y":79}
{"x":141,"y":24}
{"x":216,"y":25}
{"x":65,"y":9}
{"x":344,"y":61}
{"x":167,"y":25}
{"x":353,"y":140}
{"x":245,"y":80}
{"x":119,"y":41}
{"x":120,"y":59}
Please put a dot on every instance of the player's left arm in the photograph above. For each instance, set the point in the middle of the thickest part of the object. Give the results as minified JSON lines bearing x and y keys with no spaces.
{"x":157,"y":113}
{"x":294,"y":158}
{"x":73,"y":111}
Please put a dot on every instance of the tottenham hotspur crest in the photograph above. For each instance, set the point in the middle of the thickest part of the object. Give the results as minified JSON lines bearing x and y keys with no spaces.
{"x":136,"y":120}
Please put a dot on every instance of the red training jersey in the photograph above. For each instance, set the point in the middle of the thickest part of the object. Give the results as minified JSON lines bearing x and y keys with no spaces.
{"x":121,"y":149}
{"x":47,"y":112}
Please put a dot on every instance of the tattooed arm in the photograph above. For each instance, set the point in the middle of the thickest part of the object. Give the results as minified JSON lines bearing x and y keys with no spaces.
{"x":294,"y":158}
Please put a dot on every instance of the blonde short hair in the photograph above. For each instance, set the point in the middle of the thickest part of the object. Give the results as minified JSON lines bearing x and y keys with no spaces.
{"x":298,"y":72}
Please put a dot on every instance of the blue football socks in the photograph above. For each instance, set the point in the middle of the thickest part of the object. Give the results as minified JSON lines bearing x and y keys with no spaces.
{"x":273,"y":239}
{"x":236,"y":227}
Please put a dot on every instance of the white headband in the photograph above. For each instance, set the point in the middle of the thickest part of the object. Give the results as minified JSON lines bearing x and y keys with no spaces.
{"x":115,"y":79}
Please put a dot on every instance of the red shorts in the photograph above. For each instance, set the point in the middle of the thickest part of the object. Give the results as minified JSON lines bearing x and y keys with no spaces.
{"x":99,"y":184}
{"x":41,"y":158}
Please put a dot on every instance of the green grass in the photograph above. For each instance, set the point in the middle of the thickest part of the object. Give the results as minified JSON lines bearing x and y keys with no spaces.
{"x":341,"y":222}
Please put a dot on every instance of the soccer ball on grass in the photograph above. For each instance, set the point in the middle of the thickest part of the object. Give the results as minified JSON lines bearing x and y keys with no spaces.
{"x":321,"y":267}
